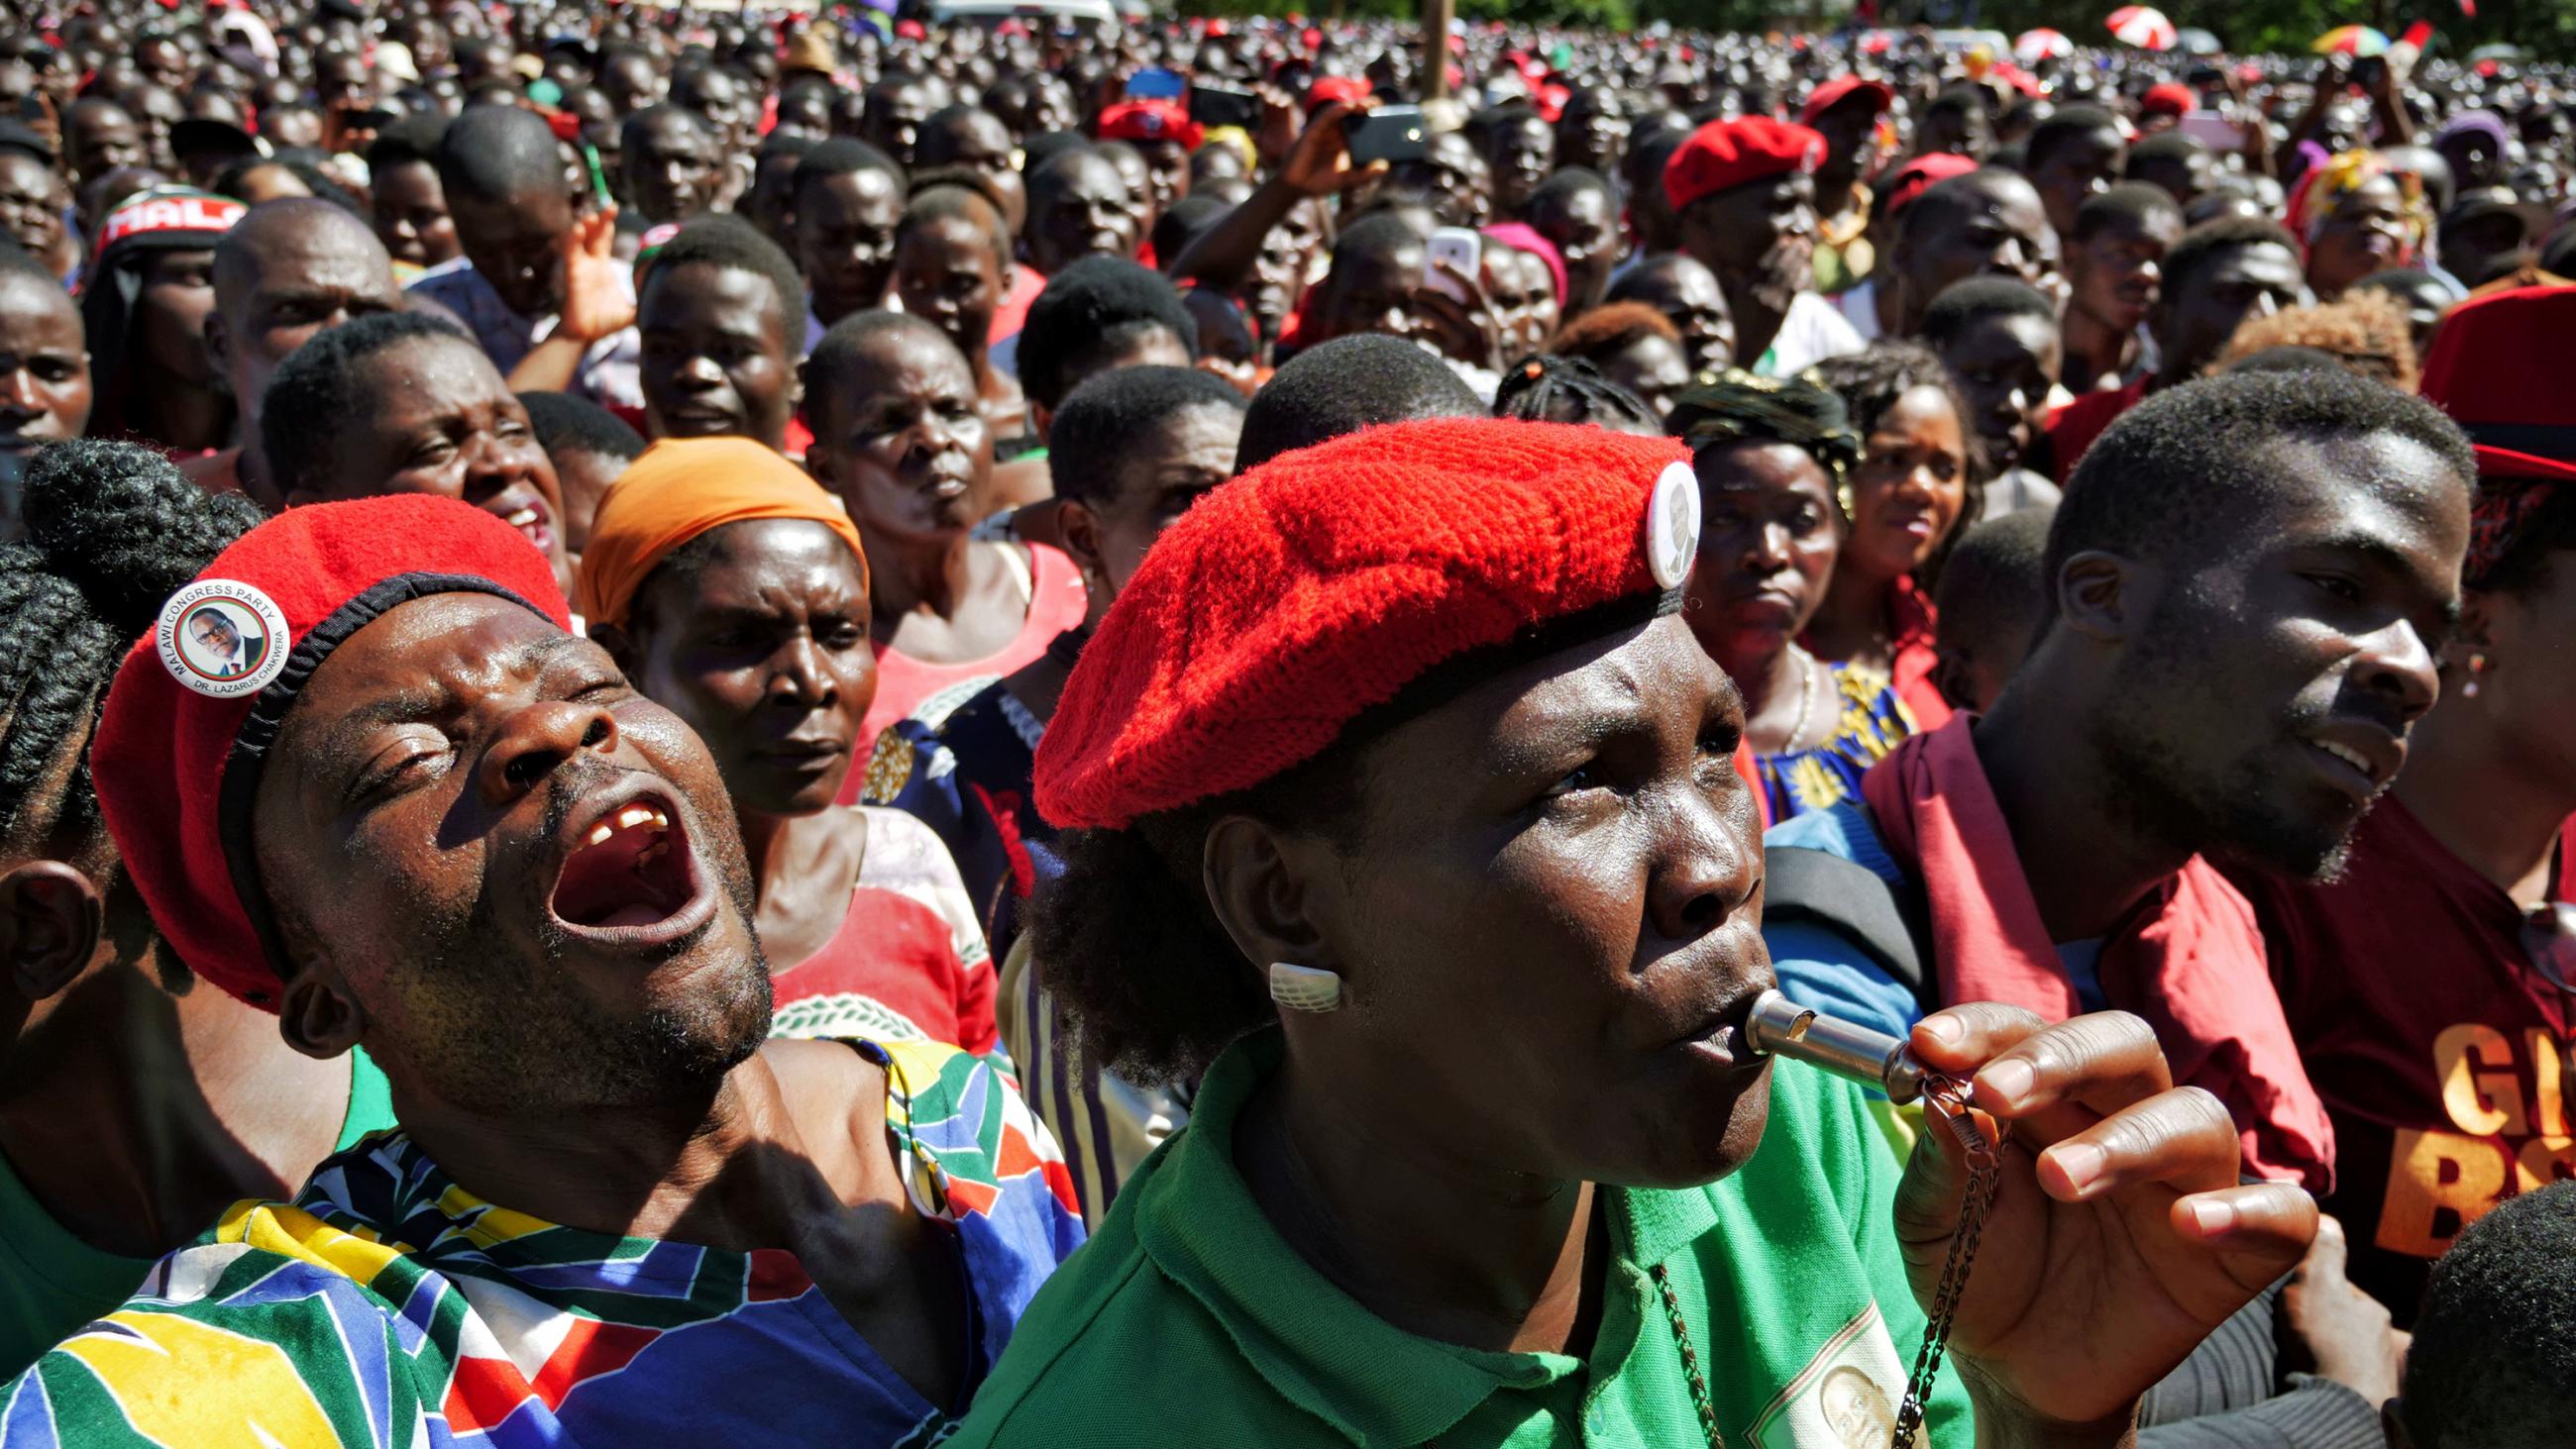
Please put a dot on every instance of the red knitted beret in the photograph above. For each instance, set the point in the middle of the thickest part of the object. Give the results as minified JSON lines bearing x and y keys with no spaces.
{"x":1325,"y":581}
{"x":185,"y":733}
{"x":1723,"y":155}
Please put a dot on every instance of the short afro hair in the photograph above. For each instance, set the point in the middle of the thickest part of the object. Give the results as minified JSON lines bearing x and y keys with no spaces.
{"x":1964,"y":302}
{"x":2131,"y":204}
{"x":1093,"y":310}
{"x":1995,"y":584}
{"x":840,"y":349}
{"x":1108,"y":417}
{"x":2068,"y":124}
{"x":840,"y":156}
{"x":2171,"y":148}
{"x":970,"y":206}
{"x":2195,"y":462}
{"x":729,"y":243}
{"x":2493,"y":1364}
{"x":1345,"y":385}
{"x":319,"y":390}
{"x":1608,"y":330}
{"x":493,"y":153}
{"x":567,"y":422}
{"x":2204,"y":244}
{"x":2366,"y":331}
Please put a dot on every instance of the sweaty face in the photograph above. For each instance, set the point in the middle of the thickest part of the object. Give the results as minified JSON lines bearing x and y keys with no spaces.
{"x":2116,"y":274}
{"x":511,"y":241}
{"x":1999,"y":230}
{"x":1584,"y":227}
{"x":845,"y":241}
{"x":2267,"y":700}
{"x":526,"y":874}
{"x":439,"y":420}
{"x":102,"y":139}
{"x":2231,"y":289}
{"x":717,"y":360}
{"x":1083,"y":210}
{"x":411,"y":215}
{"x":1759,"y":238}
{"x":1552,"y":915}
{"x":1766,"y":550}
{"x":44,"y":366}
{"x":304,"y":284}
{"x":948,"y":274}
{"x":671,"y":165}
{"x":2005,"y":367}
{"x":1169,"y":469}
{"x":1371,"y":290}
{"x":1690,"y":298}
{"x":894,"y":117}
{"x":902,"y":441}
{"x":31,"y":204}
{"x":762,"y":650}
{"x":1910,"y":487}
{"x":1167,"y":173}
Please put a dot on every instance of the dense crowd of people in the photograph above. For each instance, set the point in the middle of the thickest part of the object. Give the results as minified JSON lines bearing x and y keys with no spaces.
{"x":903,"y":728}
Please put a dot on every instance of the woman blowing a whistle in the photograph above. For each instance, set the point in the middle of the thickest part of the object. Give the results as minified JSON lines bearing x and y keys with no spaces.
{"x":1400,"y":817}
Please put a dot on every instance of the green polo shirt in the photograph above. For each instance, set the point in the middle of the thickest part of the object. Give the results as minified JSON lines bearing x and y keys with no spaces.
{"x":1188,"y":1320}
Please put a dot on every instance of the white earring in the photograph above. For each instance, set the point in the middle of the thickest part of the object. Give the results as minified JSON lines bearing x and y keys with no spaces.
{"x":1305,"y":988}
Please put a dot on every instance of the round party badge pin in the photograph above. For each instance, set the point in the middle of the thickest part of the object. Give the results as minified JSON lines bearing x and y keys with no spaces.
{"x":1672,"y":525}
{"x":222,"y":638}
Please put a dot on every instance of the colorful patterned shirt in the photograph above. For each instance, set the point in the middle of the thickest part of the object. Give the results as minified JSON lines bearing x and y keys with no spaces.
{"x":1874,"y":720}
{"x":387,"y":1306}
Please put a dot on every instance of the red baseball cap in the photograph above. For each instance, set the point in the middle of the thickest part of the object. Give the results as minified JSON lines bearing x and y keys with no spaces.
{"x":1723,"y":155}
{"x":1841,"y":88}
{"x":1337,"y":579}
{"x":1910,"y":179}
{"x":186,"y":731}
{"x":1151,"y":121}
{"x":1330,"y":88}
{"x":2172,"y":98}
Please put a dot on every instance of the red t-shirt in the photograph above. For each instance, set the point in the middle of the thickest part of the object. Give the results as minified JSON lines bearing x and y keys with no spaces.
{"x":893,"y":965}
{"x":2072,"y":428}
{"x":2440,"y":1052}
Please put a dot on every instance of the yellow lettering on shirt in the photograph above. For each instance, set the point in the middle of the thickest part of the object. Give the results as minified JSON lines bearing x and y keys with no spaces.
{"x":2544,"y":1160}
{"x":2438,"y":1183}
{"x":2481,"y":1103}
{"x":2548,"y":1068}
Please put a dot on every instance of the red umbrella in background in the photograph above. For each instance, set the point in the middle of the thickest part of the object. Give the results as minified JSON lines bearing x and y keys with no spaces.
{"x":2143,"y":26}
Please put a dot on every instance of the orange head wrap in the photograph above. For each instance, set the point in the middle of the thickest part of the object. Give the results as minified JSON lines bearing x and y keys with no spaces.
{"x":680,"y":488}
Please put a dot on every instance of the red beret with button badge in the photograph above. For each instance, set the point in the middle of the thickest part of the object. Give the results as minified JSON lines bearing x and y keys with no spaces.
{"x":185,"y":734}
{"x":1723,"y":155}
{"x":1331,"y":581}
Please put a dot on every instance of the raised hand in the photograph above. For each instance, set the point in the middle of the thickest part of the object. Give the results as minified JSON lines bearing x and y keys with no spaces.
{"x":599,"y":291}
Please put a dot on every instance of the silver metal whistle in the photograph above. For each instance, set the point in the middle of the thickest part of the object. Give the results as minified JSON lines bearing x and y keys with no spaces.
{"x":1781,"y":1027}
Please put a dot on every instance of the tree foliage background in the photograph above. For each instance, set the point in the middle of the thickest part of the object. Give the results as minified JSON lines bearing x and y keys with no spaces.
{"x":2545,"y":28}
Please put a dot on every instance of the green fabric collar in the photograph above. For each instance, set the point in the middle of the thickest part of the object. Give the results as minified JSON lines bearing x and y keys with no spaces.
{"x":1315,"y":1345}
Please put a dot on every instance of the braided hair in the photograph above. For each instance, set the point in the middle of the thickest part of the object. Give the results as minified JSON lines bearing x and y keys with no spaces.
{"x":113,"y":531}
{"x":1547,"y":388}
